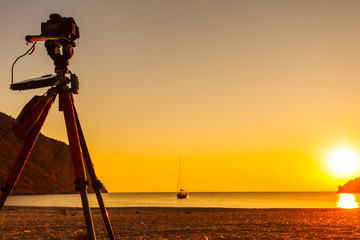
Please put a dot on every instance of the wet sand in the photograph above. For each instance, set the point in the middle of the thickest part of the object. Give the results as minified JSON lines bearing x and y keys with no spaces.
{"x":183,"y":223}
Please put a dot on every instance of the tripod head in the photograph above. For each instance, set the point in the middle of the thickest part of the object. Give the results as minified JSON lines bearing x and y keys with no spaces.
{"x":59,"y":34}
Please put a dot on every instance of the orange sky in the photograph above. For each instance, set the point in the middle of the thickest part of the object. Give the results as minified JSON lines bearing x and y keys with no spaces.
{"x":252,"y":93}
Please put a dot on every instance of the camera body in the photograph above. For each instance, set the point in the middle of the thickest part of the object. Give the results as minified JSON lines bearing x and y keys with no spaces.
{"x":59,"y":26}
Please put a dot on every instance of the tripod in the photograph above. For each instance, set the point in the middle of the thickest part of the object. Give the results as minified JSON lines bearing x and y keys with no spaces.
{"x":78,"y":149}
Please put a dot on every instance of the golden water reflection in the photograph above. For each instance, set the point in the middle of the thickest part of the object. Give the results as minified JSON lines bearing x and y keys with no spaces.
{"x":347,"y":200}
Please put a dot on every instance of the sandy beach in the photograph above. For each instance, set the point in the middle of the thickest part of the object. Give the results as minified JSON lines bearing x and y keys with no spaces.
{"x":183,"y":223}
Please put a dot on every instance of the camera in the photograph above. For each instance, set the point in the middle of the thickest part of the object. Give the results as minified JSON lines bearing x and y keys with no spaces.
{"x":59,"y":26}
{"x":59,"y":34}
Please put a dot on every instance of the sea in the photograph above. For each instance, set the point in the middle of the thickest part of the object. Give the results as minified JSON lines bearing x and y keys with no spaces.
{"x":248,"y":200}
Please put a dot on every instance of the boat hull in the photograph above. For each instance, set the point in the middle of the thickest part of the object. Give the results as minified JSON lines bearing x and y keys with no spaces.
{"x":183,"y":195}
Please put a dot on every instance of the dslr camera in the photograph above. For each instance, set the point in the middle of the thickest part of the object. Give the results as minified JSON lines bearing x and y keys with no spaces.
{"x":59,"y":26}
{"x":59,"y":34}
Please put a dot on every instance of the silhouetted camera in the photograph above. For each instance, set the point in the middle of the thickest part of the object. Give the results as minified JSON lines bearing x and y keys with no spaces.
{"x":60,"y":26}
{"x":59,"y":34}
{"x":57,"y":28}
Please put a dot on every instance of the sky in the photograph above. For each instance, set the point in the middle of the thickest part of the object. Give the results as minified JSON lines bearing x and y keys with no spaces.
{"x":253,"y":93}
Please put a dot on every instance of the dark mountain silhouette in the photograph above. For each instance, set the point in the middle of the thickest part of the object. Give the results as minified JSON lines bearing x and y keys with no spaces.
{"x":352,"y":186}
{"x":48,"y":169}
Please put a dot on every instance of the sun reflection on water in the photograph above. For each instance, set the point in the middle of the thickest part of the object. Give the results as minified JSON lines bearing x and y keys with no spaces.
{"x":347,"y":200}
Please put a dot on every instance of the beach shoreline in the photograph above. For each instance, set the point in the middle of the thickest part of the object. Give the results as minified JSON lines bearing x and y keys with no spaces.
{"x":182,"y":223}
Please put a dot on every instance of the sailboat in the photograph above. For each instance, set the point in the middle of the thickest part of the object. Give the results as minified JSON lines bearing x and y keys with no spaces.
{"x":181,"y":194}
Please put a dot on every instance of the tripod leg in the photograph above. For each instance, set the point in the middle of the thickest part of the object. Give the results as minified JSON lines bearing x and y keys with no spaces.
{"x":96,"y":184}
{"x":76,"y":156}
{"x":24,"y":155}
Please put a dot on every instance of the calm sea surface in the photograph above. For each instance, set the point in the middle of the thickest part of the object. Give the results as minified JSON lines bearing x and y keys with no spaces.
{"x":211,"y":200}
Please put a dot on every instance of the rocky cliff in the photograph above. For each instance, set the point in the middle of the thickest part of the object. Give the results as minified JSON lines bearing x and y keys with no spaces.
{"x":49,"y":167}
{"x":352,"y":186}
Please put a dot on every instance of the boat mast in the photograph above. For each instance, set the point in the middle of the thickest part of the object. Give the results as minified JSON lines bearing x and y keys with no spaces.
{"x":179,"y":176}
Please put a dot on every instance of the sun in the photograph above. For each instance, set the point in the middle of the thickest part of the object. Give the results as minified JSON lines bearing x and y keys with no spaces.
{"x":343,"y":162}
